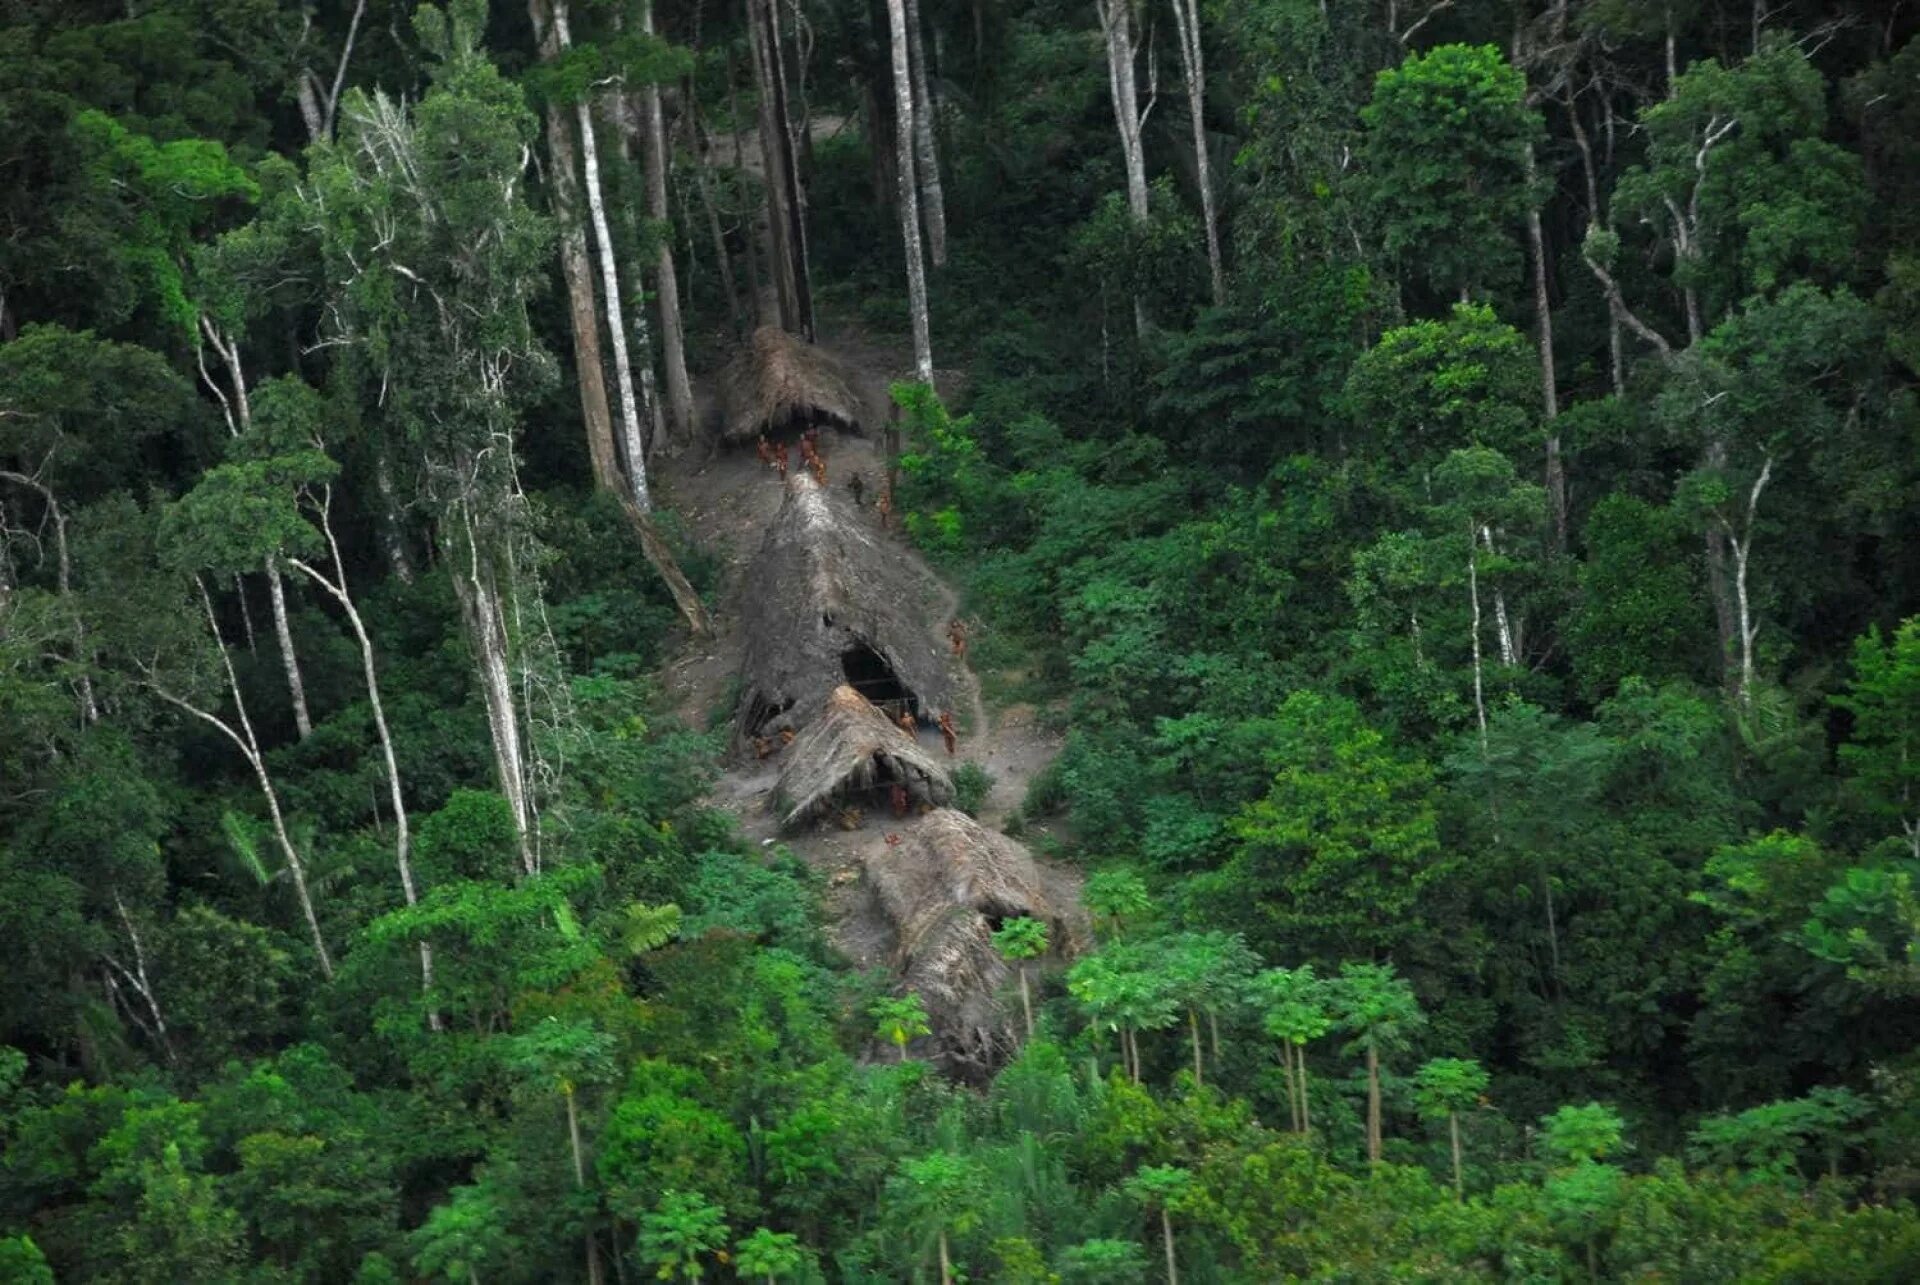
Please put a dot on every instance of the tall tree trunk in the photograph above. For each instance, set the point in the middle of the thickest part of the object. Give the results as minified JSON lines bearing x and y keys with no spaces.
{"x":1026,"y":1000}
{"x":1459,"y":1182}
{"x":780,"y":255}
{"x":1373,"y":1104}
{"x":909,"y":197}
{"x":393,"y":534}
{"x":1166,"y":1238}
{"x":630,"y":430}
{"x":248,"y":744}
{"x":1306,"y":1112}
{"x":594,"y":1275}
{"x":1193,"y":1033}
{"x":701,"y":146}
{"x":336,"y":588}
{"x":782,"y":165}
{"x":946,"y":1262}
{"x":926,"y":154}
{"x":478,"y":592}
{"x":1186,"y":17}
{"x":1473,"y":598}
{"x":296,"y":686}
{"x":1116,"y":24}
{"x":583,"y":312}
{"x":673,"y":343}
{"x":1549,"y":391}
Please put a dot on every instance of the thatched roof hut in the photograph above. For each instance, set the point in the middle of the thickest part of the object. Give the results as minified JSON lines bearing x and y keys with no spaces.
{"x":781,"y":384}
{"x":943,"y":891}
{"x":827,"y":604}
{"x":851,"y":755}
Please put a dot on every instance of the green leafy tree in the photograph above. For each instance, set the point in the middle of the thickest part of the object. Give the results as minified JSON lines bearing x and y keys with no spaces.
{"x":1584,"y":1195}
{"x":1162,"y":1189}
{"x":1296,"y":1008}
{"x":1446,"y":153}
{"x":1334,"y":856}
{"x":1104,"y":1261}
{"x":1442,"y":1089}
{"x":771,"y":1255}
{"x":1206,"y":973}
{"x":899,"y":1020}
{"x":1883,"y":750}
{"x":1115,"y":898}
{"x":680,"y":1232}
{"x":1021,"y":939}
{"x":939,"y":1195}
{"x":465,"y":1237}
{"x":1126,"y":988}
{"x":1378,"y":1009}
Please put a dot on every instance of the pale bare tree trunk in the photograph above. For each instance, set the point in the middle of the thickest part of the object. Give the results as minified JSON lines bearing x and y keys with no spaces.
{"x":479,"y":597}
{"x":249,"y":746}
{"x":594,"y":1275}
{"x":1116,"y":24}
{"x":1549,"y":391}
{"x":63,"y":567}
{"x":1473,"y":596}
{"x":1026,"y":1001}
{"x":137,"y":978}
{"x":909,"y":197}
{"x":926,"y":154}
{"x":630,"y":430}
{"x":1166,"y":1238}
{"x":1373,"y":1104}
{"x":296,"y":686}
{"x":1742,"y":550}
{"x":336,"y":588}
{"x":796,"y":201}
{"x":392,"y":534}
{"x":1186,"y":17}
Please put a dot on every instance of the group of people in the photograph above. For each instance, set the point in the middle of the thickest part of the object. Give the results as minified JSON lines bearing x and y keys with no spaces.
{"x":774,"y":455}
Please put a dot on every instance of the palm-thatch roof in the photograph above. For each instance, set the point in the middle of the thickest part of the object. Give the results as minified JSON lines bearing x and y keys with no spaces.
{"x":828,"y":604}
{"x":779,"y":382}
{"x":944,"y":890}
{"x":854,"y":753}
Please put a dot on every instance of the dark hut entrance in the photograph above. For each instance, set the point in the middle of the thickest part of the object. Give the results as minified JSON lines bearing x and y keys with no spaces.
{"x":869,"y":674}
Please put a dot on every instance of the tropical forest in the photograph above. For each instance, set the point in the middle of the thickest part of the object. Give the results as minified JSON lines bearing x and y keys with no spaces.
{"x":1062,"y":642}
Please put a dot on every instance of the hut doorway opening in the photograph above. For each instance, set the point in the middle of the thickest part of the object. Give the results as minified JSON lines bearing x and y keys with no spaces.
{"x":869,"y":674}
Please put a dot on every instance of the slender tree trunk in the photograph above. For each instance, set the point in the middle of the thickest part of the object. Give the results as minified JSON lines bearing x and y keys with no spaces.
{"x":1193,"y":1033}
{"x":773,"y":180}
{"x":595,"y":411}
{"x":246,"y":613}
{"x":392,"y":534}
{"x":1293,"y":1087}
{"x":1186,"y":17}
{"x":1306,"y":1113}
{"x":479,"y":597}
{"x":296,"y":686}
{"x":1459,"y":1182}
{"x":141,"y":982}
{"x":1166,"y":1237}
{"x":336,"y":588}
{"x":673,"y":343}
{"x":1116,"y":24}
{"x":926,"y":154}
{"x":594,"y":1275}
{"x":1549,"y":391}
{"x":946,"y":1263}
{"x":1742,"y":548}
{"x":1026,"y":1001}
{"x":909,"y":197}
{"x":630,"y":430}
{"x":249,"y":746}
{"x":703,"y":179}
{"x":1373,"y":1105}
{"x":63,"y":566}
{"x":1473,"y":597}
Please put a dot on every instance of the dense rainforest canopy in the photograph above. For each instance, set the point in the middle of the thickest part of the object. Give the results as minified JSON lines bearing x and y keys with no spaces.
{"x":1445,"y":474}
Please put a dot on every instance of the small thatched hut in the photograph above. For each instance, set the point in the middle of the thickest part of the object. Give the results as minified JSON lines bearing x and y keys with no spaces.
{"x":780,"y":385}
{"x":850,"y":756}
{"x":826,"y":605}
{"x":943,"y":892}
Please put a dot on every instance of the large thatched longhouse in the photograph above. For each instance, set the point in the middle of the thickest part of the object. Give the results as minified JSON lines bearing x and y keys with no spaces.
{"x":851,"y":757}
{"x":827,"y":605}
{"x":780,"y":385}
{"x":942,"y":892}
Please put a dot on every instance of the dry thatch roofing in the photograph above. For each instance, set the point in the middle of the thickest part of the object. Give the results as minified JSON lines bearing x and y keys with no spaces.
{"x":944,"y":890}
{"x":826,"y":603}
{"x":778,"y":381}
{"x":854,"y":752}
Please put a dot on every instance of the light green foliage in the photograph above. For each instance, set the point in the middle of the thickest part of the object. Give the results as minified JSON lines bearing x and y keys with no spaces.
{"x":1021,"y":938}
{"x":1336,"y":852}
{"x":899,"y":1019}
{"x":1159,"y":1186}
{"x":680,"y":1233}
{"x":1447,"y":1086}
{"x":1583,"y":1134}
{"x":938,"y":1194}
{"x":1771,"y":1139}
{"x":772,"y":1255}
{"x":1447,"y":134}
{"x":1116,"y":897}
{"x":1377,"y":1008}
{"x":971,"y":786}
{"x":1295,"y":1005}
{"x":1104,"y":1262}
{"x":464,"y":1237}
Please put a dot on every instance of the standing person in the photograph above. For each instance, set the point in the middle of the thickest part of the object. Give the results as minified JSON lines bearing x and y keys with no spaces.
{"x":947,"y":731}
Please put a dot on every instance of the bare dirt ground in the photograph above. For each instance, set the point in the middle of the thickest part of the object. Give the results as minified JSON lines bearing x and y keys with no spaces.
{"x":726,"y":500}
